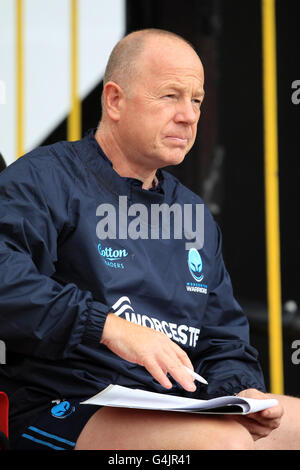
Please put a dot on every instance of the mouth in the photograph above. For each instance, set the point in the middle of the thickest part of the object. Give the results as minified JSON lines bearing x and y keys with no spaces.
{"x":177,"y":140}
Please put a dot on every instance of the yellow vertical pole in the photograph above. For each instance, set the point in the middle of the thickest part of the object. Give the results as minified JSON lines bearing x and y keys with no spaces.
{"x":19,"y":79}
{"x":74,"y":119}
{"x":272,"y":195}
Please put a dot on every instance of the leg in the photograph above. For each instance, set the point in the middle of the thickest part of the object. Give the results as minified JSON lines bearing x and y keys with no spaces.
{"x":287,"y":436}
{"x":122,"y":428}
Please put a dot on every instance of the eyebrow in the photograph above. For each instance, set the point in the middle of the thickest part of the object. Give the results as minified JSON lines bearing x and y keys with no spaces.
{"x":201,"y":94}
{"x":178,"y":87}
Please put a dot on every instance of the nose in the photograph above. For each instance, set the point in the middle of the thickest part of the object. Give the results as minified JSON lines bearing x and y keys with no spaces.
{"x":186,"y":112}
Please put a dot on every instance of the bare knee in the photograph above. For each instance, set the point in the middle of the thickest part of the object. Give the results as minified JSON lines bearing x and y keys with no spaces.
{"x":232,"y":436}
{"x":239,"y":439}
{"x":218,"y":433}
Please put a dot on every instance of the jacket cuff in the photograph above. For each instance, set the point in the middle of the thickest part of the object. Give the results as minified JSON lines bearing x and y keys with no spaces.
{"x":231,"y":386}
{"x":97,"y":313}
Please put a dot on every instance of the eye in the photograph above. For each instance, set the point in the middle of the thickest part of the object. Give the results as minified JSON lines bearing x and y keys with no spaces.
{"x":197,"y":102}
{"x":170,"y":96}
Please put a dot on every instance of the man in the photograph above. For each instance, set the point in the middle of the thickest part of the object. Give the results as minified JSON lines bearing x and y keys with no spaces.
{"x":84,"y":304}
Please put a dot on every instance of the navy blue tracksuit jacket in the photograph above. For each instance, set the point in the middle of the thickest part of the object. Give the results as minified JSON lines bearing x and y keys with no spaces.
{"x":59,"y":277}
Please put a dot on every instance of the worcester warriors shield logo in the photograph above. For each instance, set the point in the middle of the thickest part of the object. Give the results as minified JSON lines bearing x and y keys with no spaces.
{"x":195,"y":264}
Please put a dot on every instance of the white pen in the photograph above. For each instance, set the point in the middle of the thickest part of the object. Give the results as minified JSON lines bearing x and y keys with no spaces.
{"x":196,"y":376}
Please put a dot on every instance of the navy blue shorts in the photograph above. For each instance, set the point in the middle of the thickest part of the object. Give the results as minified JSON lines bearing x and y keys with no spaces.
{"x":56,"y":428}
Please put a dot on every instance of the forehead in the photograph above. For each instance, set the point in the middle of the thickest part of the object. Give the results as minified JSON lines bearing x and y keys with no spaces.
{"x":170,"y":61}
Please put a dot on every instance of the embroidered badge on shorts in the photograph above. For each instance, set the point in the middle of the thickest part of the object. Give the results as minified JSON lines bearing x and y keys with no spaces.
{"x":62,"y":409}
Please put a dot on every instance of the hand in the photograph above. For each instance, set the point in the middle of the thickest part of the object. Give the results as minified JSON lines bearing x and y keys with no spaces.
{"x":260,"y":424}
{"x":150,"y":349}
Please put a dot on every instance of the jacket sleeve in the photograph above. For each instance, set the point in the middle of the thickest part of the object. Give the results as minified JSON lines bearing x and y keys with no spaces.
{"x":229,"y":363}
{"x":38,"y":315}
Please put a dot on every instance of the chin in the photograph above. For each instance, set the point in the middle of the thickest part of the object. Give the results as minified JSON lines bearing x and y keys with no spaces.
{"x":173,"y":159}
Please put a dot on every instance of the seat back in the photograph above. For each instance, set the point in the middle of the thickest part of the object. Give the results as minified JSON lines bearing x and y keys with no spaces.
{"x":4,"y":405}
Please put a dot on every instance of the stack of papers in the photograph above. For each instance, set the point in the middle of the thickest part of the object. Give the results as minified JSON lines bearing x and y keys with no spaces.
{"x":119,"y":396}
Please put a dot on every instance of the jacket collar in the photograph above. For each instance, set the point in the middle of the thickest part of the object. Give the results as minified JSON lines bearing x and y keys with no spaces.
{"x":102,"y":168}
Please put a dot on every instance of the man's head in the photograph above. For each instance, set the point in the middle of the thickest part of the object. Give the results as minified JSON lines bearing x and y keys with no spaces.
{"x":153,"y":89}
{"x":123,"y":64}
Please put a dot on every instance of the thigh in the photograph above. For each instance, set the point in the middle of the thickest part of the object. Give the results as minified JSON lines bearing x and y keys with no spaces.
{"x":122,"y":428}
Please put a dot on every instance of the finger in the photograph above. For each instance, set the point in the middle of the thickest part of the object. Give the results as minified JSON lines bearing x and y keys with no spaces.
{"x":169,"y":358}
{"x":274,"y":412}
{"x":177,"y":370}
{"x":158,"y":373}
{"x":271,"y":423}
{"x":180,"y":374}
{"x":257,"y":429}
{"x":183,"y":357}
{"x":266,"y":423}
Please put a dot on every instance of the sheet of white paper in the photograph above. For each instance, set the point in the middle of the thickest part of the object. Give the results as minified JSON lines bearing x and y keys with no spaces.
{"x":118,"y":396}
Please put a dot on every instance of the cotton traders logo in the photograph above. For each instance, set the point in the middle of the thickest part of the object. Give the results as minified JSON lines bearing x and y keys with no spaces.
{"x":195,"y":266}
{"x":113,"y":257}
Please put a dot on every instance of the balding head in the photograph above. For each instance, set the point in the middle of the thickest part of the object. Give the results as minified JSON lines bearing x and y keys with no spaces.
{"x":124,"y":62}
{"x":153,"y":90}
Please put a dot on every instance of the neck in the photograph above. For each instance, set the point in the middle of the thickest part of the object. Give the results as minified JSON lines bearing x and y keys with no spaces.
{"x":121,"y":162}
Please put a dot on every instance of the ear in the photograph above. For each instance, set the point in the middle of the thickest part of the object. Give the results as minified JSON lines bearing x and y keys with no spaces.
{"x":113,"y":98}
